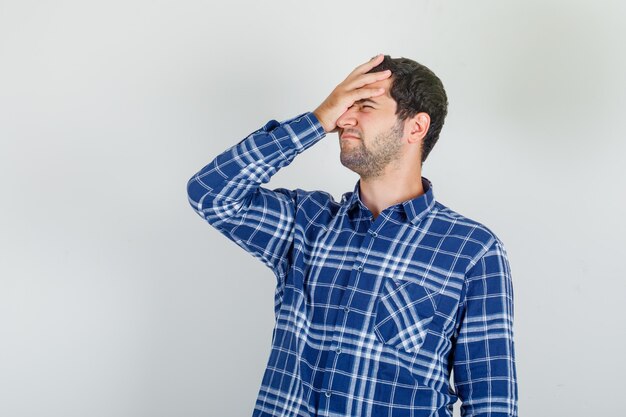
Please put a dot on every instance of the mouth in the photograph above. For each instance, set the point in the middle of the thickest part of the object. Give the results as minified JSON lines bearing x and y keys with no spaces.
{"x":345,"y":137}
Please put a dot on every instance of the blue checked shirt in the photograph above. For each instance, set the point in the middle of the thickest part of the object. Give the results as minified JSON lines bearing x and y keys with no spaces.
{"x":372,"y":315}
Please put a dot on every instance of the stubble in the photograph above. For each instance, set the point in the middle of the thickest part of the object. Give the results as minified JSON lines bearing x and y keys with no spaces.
{"x":370,"y":161}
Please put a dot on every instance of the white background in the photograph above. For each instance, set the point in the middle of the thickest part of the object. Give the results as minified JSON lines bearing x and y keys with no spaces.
{"x":116,"y":299}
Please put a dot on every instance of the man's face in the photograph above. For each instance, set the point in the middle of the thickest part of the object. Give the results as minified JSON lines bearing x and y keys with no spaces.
{"x":370,"y":134}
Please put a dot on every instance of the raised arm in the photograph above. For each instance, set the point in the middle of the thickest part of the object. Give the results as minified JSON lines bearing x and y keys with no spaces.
{"x":227,"y":192}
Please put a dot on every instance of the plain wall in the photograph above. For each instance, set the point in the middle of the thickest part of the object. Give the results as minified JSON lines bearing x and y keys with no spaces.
{"x":116,"y":299}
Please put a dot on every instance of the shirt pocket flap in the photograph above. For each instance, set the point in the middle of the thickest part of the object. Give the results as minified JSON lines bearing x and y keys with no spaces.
{"x":404,"y":311}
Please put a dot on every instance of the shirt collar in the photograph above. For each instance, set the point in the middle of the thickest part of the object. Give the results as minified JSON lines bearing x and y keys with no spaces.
{"x":415,"y":209}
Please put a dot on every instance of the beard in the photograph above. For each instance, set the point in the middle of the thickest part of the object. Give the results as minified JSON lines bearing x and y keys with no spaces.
{"x":370,"y":161}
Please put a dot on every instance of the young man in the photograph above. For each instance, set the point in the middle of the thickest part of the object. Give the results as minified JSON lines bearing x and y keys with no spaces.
{"x":381,"y":295}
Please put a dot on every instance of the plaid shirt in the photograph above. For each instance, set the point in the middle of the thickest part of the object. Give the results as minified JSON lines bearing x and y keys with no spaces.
{"x":372,"y":315}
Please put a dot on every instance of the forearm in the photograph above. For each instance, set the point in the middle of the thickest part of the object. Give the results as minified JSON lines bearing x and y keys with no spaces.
{"x":220,"y":188}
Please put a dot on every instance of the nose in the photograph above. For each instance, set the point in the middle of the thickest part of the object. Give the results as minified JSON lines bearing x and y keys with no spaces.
{"x":348,"y":118}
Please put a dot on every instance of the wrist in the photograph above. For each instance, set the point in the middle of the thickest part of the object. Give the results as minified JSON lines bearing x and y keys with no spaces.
{"x":328,"y":127}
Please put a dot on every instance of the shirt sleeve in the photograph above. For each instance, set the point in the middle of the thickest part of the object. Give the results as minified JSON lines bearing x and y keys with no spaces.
{"x":484,"y":358}
{"x":227,"y":192}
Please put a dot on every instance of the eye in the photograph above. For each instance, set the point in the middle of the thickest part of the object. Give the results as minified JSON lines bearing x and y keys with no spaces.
{"x":365,"y":106}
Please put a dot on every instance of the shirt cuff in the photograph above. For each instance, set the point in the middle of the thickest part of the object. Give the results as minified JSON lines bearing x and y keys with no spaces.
{"x":303,"y":131}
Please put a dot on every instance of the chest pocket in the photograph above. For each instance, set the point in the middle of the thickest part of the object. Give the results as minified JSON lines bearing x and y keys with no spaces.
{"x":403,"y":312}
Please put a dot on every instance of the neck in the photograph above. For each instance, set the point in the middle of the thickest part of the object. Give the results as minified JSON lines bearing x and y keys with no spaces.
{"x":378,"y":193}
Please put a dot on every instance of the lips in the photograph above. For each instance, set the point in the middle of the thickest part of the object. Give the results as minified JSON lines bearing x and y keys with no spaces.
{"x":346,"y":136}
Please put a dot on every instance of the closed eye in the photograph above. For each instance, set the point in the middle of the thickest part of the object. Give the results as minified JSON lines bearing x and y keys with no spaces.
{"x":367,"y":104}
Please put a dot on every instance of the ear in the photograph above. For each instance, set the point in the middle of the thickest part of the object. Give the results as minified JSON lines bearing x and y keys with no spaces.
{"x":417,"y":127}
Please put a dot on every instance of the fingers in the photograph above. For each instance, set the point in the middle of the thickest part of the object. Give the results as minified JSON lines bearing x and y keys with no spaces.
{"x":363,"y":93}
{"x":368,"y":78}
{"x":365,"y":67}
{"x":355,"y":87}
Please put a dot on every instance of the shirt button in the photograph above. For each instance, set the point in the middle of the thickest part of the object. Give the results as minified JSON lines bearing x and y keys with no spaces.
{"x":360,"y":268}
{"x":338,"y":350}
{"x":374,"y":234}
{"x":328,"y":393}
{"x":346,"y":309}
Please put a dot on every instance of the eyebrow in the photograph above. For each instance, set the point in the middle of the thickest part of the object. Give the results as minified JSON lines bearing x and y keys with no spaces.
{"x":367,"y":100}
